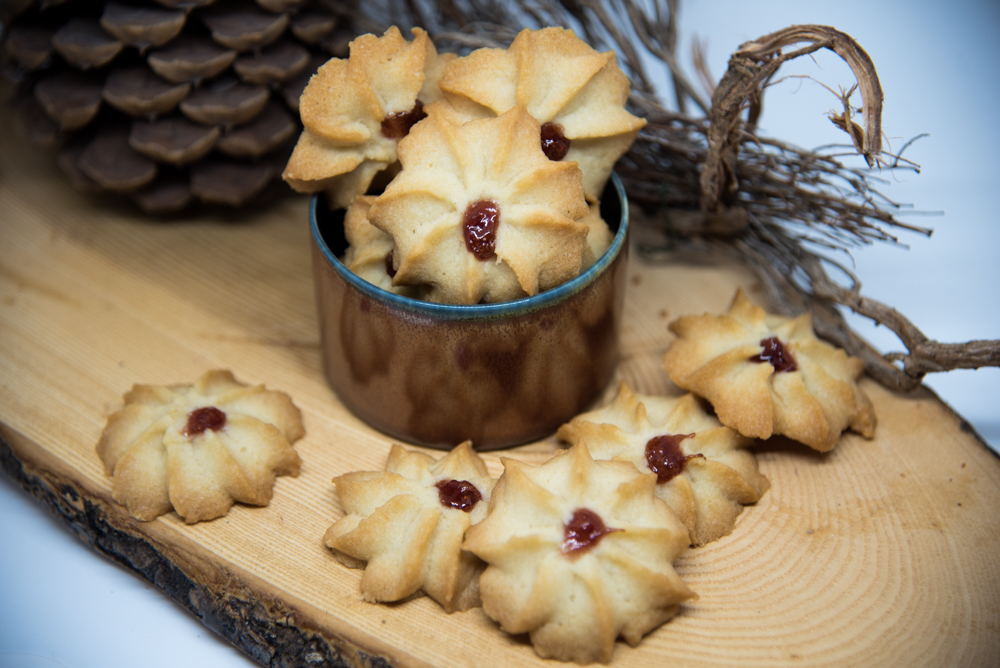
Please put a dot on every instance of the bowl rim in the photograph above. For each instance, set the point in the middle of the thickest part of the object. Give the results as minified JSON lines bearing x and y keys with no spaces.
{"x":479,"y":311}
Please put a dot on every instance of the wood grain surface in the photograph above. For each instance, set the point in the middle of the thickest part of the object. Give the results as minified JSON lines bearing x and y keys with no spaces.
{"x":882,"y":552}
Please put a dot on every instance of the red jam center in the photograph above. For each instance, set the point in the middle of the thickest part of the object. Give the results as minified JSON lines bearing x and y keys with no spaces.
{"x":389,"y":269}
{"x":202,"y":419}
{"x":460,"y":494}
{"x":777,"y":354}
{"x":583,"y":531}
{"x":397,"y":125}
{"x":664,"y":456}
{"x":555,"y":145}
{"x":479,"y":227}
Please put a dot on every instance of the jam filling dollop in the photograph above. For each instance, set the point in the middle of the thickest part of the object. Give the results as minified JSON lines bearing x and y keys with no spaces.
{"x":555,"y":145}
{"x":460,"y":494}
{"x":479,"y":228}
{"x":664,"y":456}
{"x":389,"y":269}
{"x":202,"y":419}
{"x":397,"y":125}
{"x":583,"y":531}
{"x":776,"y":354}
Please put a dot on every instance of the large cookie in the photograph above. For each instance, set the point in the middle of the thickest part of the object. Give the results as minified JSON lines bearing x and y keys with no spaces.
{"x":579,"y":552}
{"x":478,"y":213}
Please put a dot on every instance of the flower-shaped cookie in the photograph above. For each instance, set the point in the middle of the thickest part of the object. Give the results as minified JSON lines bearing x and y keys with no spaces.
{"x":408,"y":523}
{"x":370,"y":250}
{"x":355,"y":110}
{"x":766,"y":374}
{"x":576,"y":94}
{"x":478,"y":213}
{"x":703,"y":470}
{"x":579,"y":552}
{"x":198,"y":448}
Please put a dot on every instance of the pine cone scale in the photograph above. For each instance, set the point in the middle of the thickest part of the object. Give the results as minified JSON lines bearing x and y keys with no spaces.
{"x":140,"y":93}
{"x":176,"y":141}
{"x":142,"y":27}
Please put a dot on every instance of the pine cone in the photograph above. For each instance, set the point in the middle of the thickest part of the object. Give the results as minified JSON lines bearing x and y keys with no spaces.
{"x":171,"y":101}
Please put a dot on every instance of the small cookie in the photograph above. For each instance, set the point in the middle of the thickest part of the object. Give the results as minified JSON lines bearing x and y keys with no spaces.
{"x":704,"y":472}
{"x":370,"y":250}
{"x":579,"y":552}
{"x":355,"y":110}
{"x":479,"y":214}
{"x":576,"y":94}
{"x":599,"y":236}
{"x":407,"y":524}
{"x":197,"y":448}
{"x":767,"y":374}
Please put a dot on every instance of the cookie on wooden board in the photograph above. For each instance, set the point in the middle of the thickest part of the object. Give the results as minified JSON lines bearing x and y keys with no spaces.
{"x":198,"y":448}
{"x":405,"y":526}
{"x":580,"y":552}
{"x":767,"y":374}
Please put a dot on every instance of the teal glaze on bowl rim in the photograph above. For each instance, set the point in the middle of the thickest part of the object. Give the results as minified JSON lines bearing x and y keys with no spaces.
{"x":516,"y":307}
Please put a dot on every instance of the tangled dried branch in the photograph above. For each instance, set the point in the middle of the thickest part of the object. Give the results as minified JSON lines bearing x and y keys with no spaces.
{"x":712,"y":183}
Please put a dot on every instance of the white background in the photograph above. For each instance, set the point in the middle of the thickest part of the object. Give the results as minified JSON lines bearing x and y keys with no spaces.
{"x":62,"y":604}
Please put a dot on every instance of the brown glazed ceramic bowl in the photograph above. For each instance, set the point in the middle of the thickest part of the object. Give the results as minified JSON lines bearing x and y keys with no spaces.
{"x":499,"y":374}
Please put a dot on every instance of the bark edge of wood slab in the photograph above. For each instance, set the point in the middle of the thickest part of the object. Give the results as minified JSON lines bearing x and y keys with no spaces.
{"x":266,"y":632}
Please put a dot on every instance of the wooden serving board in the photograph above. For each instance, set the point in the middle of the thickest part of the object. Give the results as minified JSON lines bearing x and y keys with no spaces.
{"x":883,"y":552}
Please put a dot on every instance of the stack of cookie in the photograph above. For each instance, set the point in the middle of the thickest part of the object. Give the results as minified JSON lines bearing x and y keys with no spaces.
{"x":495,"y":161}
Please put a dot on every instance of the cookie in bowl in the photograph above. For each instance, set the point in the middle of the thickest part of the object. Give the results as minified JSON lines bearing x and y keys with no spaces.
{"x":479,"y":214}
{"x":576,"y":94}
{"x":370,"y":251}
{"x":355,"y":110}
{"x":500,"y":374}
